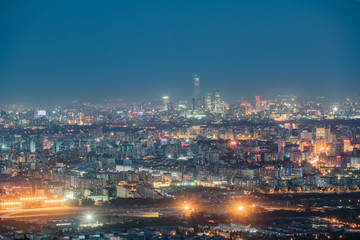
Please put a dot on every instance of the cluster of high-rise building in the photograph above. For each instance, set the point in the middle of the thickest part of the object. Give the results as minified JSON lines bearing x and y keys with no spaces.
{"x":101,"y":152}
{"x":198,"y":105}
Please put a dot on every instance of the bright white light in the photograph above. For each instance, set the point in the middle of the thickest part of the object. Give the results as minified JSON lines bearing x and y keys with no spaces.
{"x":314,"y":161}
{"x":335,"y":109}
{"x":240,"y":208}
{"x":89,"y":216}
{"x":186,"y":207}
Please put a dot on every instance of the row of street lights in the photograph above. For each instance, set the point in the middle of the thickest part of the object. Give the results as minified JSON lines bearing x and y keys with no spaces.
{"x":240,"y":208}
{"x":187,"y":209}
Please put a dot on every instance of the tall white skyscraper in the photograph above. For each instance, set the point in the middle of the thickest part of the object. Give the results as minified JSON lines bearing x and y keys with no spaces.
{"x":218,"y":107}
{"x":207,"y":102}
{"x":166,"y":103}
{"x":197,"y":101}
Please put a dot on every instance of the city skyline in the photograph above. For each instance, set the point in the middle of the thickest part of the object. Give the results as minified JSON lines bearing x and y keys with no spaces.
{"x":119,"y":50}
{"x":174,"y":120}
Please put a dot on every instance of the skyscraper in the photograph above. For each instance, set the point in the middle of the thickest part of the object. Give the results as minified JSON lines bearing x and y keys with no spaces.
{"x":196,"y":86}
{"x":166,"y":103}
{"x":197,"y":101}
{"x":207,"y":102}
{"x":218,"y":107}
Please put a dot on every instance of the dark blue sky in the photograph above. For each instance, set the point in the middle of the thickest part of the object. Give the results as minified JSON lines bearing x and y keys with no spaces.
{"x":91,"y":50}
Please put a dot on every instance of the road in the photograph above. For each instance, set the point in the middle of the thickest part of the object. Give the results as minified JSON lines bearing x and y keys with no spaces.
{"x":42,"y":215}
{"x":55,"y":213}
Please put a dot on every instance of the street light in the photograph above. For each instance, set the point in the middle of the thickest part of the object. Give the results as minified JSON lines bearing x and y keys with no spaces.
{"x":89,"y":217}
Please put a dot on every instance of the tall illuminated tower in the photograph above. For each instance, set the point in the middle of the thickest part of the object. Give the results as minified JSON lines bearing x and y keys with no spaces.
{"x":166,"y":103}
{"x":218,"y":107}
{"x":196,"y":99}
{"x":196,"y":86}
{"x":207,"y":102}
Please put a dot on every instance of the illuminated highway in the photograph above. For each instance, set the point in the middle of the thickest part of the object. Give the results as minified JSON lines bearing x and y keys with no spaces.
{"x":45,"y":214}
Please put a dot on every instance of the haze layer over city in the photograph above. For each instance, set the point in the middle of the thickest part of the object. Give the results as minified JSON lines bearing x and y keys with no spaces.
{"x":180,"y":119}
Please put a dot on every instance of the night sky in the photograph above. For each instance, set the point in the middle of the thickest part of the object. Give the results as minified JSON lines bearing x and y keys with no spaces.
{"x":95,"y":50}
